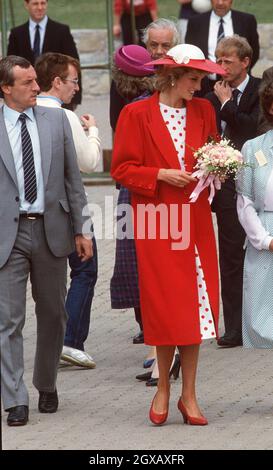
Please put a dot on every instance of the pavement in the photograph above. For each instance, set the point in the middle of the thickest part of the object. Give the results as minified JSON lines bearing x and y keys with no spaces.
{"x":107,"y":408}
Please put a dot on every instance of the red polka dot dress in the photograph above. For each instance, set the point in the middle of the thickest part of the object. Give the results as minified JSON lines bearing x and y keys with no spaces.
{"x":175,"y":120}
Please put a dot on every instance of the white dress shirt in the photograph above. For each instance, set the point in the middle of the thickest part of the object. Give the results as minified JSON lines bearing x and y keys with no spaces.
{"x":87,"y":147}
{"x":13,"y":126}
{"x":32,"y":30}
{"x":213,"y":30}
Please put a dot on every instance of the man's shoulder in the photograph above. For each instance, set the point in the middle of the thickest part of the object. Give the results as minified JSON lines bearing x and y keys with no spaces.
{"x":255,"y":80}
{"x":242,"y":15}
{"x":201,"y":18}
{"x":20,"y":28}
{"x":56,"y":25}
{"x":49,"y":112}
{"x":253,"y":85}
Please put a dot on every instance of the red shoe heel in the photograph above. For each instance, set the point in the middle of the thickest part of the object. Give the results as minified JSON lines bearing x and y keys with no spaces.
{"x":194,"y":421}
{"x":157,"y":418}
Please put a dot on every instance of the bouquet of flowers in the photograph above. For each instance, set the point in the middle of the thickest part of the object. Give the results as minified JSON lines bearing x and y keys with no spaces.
{"x":216,"y":161}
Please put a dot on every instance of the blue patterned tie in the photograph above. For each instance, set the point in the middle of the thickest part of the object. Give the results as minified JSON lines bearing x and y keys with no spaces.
{"x":36,"y":45}
{"x":221,"y":33}
{"x":28,"y":162}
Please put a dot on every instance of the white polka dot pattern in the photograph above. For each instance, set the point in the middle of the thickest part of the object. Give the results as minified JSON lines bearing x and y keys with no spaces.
{"x":175,"y":120}
{"x":207,"y":327}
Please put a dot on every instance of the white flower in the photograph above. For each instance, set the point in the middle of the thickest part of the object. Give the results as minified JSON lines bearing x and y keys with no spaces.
{"x":179,"y":58}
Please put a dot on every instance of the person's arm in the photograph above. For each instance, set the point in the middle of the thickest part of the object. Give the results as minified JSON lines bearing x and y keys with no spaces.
{"x":256,"y":233}
{"x":117,"y":26}
{"x":152,"y":4}
{"x":128,"y":164}
{"x":118,"y":10}
{"x":68,"y":43}
{"x":254,"y":40}
{"x":12,"y":45}
{"x":191,"y":31}
{"x":243,"y":122}
{"x":76,"y":195}
{"x":154,"y":14}
{"x":88,"y":146}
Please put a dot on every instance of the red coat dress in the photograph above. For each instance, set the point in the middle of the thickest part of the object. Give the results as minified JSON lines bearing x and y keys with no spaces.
{"x":167,"y":277}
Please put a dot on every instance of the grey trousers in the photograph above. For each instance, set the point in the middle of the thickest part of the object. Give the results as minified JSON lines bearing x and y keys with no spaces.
{"x":31,"y":256}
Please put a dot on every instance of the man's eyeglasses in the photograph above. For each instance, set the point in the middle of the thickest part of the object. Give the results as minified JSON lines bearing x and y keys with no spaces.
{"x":72,"y":80}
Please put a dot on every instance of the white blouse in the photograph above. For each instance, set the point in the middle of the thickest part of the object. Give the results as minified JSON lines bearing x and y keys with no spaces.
{"x":258,"y":236}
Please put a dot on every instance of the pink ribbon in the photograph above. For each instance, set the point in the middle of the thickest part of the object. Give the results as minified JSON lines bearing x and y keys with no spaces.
{"x":204,"y":181}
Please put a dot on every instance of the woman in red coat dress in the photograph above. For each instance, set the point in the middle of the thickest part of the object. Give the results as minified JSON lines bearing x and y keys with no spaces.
{"x":175,"y":244}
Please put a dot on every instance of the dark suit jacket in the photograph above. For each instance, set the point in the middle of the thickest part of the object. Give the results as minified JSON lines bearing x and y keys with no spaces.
{"x":58,"y":38}
{"x":242,"y":120}
{"x":243,"y":123}
{"x":244,"y":24}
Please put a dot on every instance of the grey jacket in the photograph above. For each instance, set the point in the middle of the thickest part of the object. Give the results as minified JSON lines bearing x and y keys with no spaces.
{"x":64,"y":193}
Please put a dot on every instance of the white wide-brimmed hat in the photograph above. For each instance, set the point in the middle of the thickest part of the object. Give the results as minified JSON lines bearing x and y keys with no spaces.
{"x":188,"y":55}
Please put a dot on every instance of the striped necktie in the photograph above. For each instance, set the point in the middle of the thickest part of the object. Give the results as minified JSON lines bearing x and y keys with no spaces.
{"x":221,"y":32}
{"x":30,"y":183}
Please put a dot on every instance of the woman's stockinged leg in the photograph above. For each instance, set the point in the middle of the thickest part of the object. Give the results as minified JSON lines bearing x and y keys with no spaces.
{"x":189,"y":361}
{"x":164,"y":358}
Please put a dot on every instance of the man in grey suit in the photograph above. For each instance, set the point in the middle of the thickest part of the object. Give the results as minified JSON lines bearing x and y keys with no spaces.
{"x":42,"y":201}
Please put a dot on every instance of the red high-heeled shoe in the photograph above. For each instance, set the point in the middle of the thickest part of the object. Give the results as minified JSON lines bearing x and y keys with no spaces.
{"x":157,"y":418}
{"x":194,"y":421}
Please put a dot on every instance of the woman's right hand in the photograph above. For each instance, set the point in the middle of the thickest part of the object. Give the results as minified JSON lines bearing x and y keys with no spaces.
{"x":177,"y":178}
{"x":116,"y":30}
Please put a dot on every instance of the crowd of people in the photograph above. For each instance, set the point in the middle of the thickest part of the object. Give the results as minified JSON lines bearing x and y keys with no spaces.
{"x":177,"y":88}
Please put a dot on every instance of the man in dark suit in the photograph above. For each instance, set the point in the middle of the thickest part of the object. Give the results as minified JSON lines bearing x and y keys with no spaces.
{"x":236,"y":103}
{"x":41,"y":34}
{"x":207,"y":29}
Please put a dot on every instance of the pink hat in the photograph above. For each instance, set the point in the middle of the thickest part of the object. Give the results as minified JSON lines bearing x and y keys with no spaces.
{"x":187,"y":55}
{"x":132,"y":60}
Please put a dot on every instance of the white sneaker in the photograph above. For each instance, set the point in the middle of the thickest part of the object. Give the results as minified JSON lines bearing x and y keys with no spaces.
{"x":77,"y":357}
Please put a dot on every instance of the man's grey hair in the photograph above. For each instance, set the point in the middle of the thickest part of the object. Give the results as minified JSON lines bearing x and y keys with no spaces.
{"x":7,"y":65}
{"x":162,"y":23}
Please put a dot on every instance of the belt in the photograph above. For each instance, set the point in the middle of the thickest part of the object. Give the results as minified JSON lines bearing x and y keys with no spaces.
{"x":32,"y":216}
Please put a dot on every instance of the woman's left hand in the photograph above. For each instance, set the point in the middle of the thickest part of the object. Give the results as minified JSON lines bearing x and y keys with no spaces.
{"x":173,"y":177}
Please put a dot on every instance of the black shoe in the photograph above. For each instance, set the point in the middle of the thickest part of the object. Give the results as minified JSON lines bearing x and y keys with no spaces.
{"x":225,"y":342}
{"x":48,"y":402}
{"x":144,"y":377}
{"x":18,"y":415}
{"x":139,"y":338}
{"x":174,"y":371}
{"x":151,"y":382}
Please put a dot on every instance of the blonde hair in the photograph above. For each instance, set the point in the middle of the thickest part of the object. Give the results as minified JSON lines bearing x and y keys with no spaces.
{"x":236,"y":44}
